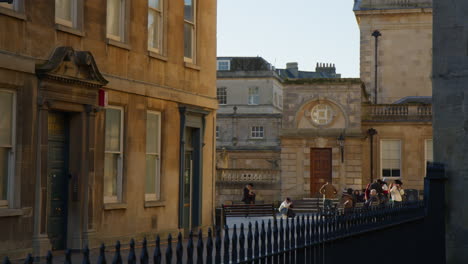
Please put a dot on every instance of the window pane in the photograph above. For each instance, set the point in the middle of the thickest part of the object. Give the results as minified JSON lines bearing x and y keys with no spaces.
{"x":110,"y":174}
{"x":113,"y":17}
{"x":4,"y":172}
{"x":188,"y":40}
{"x":6,"y":118}
{"x":154,"y":25}
{"x":188,"y":10}
{"x":63,"y":9}
{"x":154,"y":3}
{"x":152,"y":171}
{"x":152,"y":133}
{"x":113,"y":119}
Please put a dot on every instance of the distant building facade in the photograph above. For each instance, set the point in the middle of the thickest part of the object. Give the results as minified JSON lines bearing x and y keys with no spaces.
{"x":108,"y":121}
{"x":340,"y":130}
{"x":249,"y":122}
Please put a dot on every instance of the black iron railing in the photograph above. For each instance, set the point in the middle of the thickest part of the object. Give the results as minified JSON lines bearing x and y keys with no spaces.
{"x":302,"y":239}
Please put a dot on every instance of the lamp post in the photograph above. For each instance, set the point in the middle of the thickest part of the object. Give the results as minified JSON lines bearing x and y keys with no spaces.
{"x":371,"y":132}
{"x":376,"y":34}
{"x":341,"y":141}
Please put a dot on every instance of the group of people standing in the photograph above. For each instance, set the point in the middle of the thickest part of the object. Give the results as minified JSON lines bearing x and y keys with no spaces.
{"x":379,"y":192}
{"x":376,"y":193}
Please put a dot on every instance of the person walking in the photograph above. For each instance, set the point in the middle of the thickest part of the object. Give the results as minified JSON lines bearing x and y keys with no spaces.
{"x":397,"y":192}
{"x":285,"y":208}
{"x":248,"y":196}
{"x":329,"y":192}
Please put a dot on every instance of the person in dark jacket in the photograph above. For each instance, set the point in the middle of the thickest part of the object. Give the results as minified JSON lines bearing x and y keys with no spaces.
{"x":249,"y":196}
{"x":373,"y":199}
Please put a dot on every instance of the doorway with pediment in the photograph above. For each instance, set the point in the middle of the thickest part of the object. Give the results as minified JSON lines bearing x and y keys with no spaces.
{"x":68,"y":91}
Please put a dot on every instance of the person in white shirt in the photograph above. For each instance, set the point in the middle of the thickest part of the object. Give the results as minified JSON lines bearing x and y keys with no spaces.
{"x":285,"y":208}
{"x":397,"y":192}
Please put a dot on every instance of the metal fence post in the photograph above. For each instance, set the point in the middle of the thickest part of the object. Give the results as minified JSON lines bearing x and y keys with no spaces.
{"x":169,"y":249}
{"x":200,"y":247}
{"x":209,"y":248}
{"x":144,"y":258}
{"x":157,"y":255}
{"x":234,"y":244}
{"x":102,"y":255}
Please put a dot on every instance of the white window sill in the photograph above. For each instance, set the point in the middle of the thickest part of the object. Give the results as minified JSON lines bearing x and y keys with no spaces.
{"x":8,"y":212}
{"x":69,"y":30}
{"x":155,"y":204}
{"x":12,"y":13}
{"x":118,"y":44}
{"x":191,"y":66}
{"x":115,"y":206}
{"x":156,"y":55}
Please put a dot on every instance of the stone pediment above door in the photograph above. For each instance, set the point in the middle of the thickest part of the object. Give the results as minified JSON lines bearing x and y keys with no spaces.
{"x":67,"y":65}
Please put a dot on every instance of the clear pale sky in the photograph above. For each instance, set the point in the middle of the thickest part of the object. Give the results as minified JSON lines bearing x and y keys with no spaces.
{"x":280,"y":31}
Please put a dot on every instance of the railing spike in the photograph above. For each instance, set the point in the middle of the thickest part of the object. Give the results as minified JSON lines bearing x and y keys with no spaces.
{"x":117,"y":257}
{"x":179,"y":249}
{"x":102,"y":254}
{"x":157,"y":255}
{"x":218,"y":246}
{"x":209,"y":248}
{"x":200,"y":247}
{"x":6,"y":260}
{"x":234,"y":244}
{"x":85,"y":252}
{"x":169,"y":249}
{"x":226,"y":244}
{"x":131,"y":259}
{"x":241,"y":243}
{"x":249,"y":242}
{"x":144,"y":258}
{"x":68,"y":255}
{"x":49,"y":257}
{"x":29,"y":259}
{"x":190,"y":248}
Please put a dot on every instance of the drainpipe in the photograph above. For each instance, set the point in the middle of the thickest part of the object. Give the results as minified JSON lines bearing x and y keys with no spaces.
{"x":376,"y":34}
{"x":371,"y":132}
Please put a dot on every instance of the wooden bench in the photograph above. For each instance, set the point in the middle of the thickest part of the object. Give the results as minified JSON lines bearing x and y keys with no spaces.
{"x":311,"y":205}
{"x":245,"y":210}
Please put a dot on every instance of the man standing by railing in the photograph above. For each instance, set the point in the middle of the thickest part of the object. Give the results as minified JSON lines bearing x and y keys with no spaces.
{"x":329,"y":192}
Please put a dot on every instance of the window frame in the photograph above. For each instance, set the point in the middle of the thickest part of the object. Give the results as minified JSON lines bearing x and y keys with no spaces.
{"x":160,"y":29}
{"x":74,"y":15}
{"x":217,"y":132}
{"x":257,"y":132}
{"x":15,"y":6}
{"x":400,"y":159}
{"x":119,"y":197}
{"x":122,"y":19}
{"x":219,"y":95}
{"x":157,"y":195}
{"x":9,"y":203}
{"x":193,"y":45}
{"x":252,"y":97}
{"x":218,"y":62}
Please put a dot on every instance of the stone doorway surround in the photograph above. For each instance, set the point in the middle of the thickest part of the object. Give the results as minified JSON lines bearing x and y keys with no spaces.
{"x":68,"y":82}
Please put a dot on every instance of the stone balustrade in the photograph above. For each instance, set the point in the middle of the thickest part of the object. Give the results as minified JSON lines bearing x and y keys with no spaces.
{"x":397,"y":112}
{"x":247,"y":175}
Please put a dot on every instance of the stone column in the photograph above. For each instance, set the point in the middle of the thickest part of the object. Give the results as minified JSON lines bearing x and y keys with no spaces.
{"x":41,"y":241}
{"x":450,"y":118}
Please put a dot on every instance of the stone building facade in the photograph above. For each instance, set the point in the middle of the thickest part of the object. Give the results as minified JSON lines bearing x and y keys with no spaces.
{"x":404,"y":49}
{"x":107,"y":128}
{"x":316,"y":113}
{"x":249,"y":123}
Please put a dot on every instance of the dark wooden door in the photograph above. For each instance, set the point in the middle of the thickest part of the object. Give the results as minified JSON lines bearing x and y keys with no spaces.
{"x":57,"y":171}
{"x":320,"y":168}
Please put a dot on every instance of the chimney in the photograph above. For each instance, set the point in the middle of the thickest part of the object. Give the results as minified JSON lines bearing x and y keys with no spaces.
{"x":326,"y":68}
{"x":293,"y":68}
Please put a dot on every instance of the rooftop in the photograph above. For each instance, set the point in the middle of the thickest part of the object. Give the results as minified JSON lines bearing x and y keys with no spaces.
{"x":362,"y":5}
